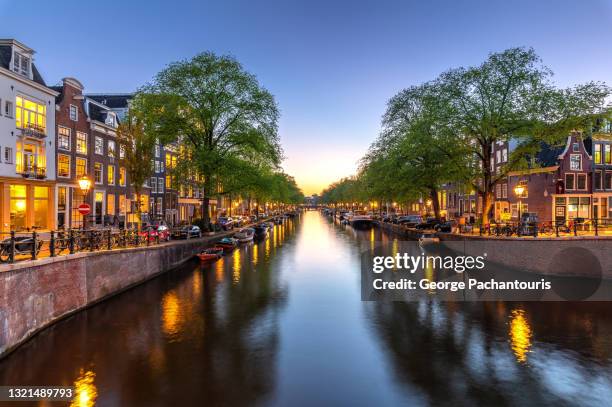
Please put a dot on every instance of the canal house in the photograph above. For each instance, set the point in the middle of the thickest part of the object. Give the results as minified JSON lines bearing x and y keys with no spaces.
{"x":27,"y":141}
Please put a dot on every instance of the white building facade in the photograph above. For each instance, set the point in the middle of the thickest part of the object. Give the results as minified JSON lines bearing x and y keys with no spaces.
{"x":27,"y":142}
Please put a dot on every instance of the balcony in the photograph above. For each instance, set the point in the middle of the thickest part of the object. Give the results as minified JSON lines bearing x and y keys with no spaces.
{"x":33,"y":172}
{"x":33,"y":131}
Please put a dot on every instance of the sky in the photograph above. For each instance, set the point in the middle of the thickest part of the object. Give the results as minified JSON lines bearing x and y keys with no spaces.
{"x":331,"y":65}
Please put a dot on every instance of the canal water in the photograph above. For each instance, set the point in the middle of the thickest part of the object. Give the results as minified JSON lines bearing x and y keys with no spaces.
{"x":281,"y":322}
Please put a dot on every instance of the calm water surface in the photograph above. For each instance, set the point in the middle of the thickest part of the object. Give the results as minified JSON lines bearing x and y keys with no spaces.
{"x":280,"y":322}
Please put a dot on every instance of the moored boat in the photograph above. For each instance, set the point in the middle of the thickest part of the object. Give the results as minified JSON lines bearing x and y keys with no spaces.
{"x":227,"y":244}
{"x":261,"y":231}
{"x":211,"y":254}
{"x":245,"y":235}
{"x":360,"y":220}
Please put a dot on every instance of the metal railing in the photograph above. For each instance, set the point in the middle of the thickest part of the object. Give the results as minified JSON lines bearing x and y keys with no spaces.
{"x":560,"y":228}
{"x":18,"y":246}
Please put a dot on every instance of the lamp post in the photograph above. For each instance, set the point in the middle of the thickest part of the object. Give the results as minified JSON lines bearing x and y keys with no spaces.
{"x":519,"y":189}
{"x":84,"y":185}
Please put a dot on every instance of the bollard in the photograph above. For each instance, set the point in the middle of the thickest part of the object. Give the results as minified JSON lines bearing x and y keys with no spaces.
{"x":52,"y":245}
{"x":71,"y":241}
{"x":34,"y":245}
{"x":557,"y":228}
{"x":12,"y":248}
{"x":596,"y":228}
{"x":109,"y":243}
{"x":575,"y":229}
{"x":124,"y":241}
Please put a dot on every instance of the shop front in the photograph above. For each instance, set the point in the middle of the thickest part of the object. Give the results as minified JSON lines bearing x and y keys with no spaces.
{"x":27,"y":206}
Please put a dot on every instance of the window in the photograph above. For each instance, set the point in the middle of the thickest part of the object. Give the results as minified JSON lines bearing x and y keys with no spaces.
{"x":160,"y":185}
{"x":498,"y":191}
{"x":99,"y":147}
{"x":8,"y":109}
{"x":160,"y":206}
{"x":8,"y":155}
{"x":74,"y":113}
{"x":505,"y":155}
{"x":597,"y":154}
{"x":576,"y":147}
{"x":161,"y":166}
{"x":157,"y":150}
{"x":121,"y":151}
{"x":98,"y":173}
{"x":81,"y":167}
{"x":153,"y":185}
{"x":597,"y":180}
{"x":569,"y":181}
{"x":122,"y":204}
{"x":581,"y":182}
{"x":111,"y":175}
{"x":63,"y":165}
{"x":157,"y":169}
{"x":168,"y":160}
{"x":498,"y":156}
{"x":30,"y":114}
{"x":168,"y":182}
{"x":110,"y":204}
{"x":81,"y":145}
{"x":608,"y":157}
{"x":111,"y":148}
{"x":63,"y":138}
{"x":21,"y":64}
{"x":122,"y":176}
{"x":504,"y":190}
{"x":608,"y":180}
{"x":575,"y":162}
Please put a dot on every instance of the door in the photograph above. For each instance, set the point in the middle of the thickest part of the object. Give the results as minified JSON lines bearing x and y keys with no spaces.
{"x":98,"y":209}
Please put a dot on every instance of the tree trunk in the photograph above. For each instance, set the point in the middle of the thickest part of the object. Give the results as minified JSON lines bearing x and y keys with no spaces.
{"x":487,"y":204}
{"x":206,"y":204}
{"x":435,"y":202}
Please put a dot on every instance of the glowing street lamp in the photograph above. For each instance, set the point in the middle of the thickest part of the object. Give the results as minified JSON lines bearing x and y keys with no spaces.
{"x":84,"y":184}
{"x":519,"y":190}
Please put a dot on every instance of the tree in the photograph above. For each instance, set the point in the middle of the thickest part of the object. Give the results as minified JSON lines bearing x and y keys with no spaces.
{"x":137,"y":149}
{"x":510,"y":97}
{"x":220,"y":115}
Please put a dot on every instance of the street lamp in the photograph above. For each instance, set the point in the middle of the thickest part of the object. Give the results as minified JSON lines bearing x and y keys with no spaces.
{"x":84,"y":185}
{"x":519,"y":189}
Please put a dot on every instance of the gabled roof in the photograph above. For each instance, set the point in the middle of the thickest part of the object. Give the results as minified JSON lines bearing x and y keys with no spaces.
{"x":112,"y":100}
{"x":6,"y":54}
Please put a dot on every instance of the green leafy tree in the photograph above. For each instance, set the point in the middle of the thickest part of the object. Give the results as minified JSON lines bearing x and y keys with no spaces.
{"x":137,"y":147}
{"x":221,"y":117}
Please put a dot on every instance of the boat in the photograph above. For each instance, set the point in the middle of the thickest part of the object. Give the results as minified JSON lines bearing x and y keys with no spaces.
{"x":245,"y":235}
{"x":211,"y":254}
{"x":227,"y":244}
{"x":279,"y":220}
{"x":428,"y":238}
{"x":360,"y":220}
{"x":261,"y":231}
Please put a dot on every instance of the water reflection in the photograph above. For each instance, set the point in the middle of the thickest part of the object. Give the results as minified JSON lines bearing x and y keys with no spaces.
{"x":520,"y":334}
{"x":280,"y":322}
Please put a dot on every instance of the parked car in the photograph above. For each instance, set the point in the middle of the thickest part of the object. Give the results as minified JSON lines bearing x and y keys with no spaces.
{"x":430,"y":223}
{"x":410,"y":220}
{"x":446,"y":227}
{"x":186,"y":232}
{"x":253,"y":218}
{"x":226,"y":223}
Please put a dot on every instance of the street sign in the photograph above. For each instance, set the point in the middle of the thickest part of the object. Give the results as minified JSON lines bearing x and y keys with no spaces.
{"x":84,"y":209}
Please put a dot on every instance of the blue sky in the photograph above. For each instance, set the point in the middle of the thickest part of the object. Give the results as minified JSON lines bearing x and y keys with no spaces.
{"x":332,"y":65}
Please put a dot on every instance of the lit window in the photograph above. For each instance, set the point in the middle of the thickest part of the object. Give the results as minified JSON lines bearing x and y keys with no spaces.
{"x":30,"y":115}
{"x":111,"y":175}
{"x":74,"y":113}
{"x":63,"y":165}
{"x":98,"y":170}
{"x":111,"y":148}
{"x":81,"y":167}
{"x":99,"y":147}
{"x":81,"y":146}
{"x":168,"y":181}
{"x":63,"y":138}
{"x":608,"y":157}
{"x":597,"y":154}
{"x":122,"y":176}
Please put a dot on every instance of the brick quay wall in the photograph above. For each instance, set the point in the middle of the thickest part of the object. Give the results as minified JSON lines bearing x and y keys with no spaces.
{"x":35,"y":294}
